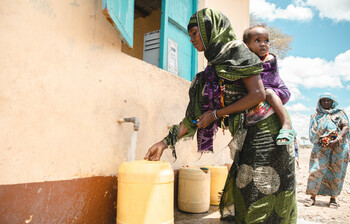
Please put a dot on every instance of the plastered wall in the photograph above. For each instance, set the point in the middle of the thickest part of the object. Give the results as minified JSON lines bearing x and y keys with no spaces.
{"x":65,"y":83}
{"x":237,"y":11}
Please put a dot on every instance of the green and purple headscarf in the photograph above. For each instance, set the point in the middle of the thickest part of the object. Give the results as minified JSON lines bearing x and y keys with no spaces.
{"x":232,"y":59}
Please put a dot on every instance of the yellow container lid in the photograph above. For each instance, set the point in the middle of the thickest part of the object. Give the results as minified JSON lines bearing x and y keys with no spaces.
{"x":143,"y":171}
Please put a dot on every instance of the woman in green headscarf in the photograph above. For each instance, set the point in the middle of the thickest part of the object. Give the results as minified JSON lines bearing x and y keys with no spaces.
{"x":260,"y":187}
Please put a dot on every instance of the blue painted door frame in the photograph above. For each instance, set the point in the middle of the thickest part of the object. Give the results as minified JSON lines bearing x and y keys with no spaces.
{"x":174,"y":20}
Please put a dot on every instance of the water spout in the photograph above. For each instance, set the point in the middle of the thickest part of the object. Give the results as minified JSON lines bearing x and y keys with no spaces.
{"x":131,"y":151}
{"x":134,"y":120}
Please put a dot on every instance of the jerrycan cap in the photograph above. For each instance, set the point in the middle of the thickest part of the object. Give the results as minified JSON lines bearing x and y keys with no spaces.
{"x":205,"y":169}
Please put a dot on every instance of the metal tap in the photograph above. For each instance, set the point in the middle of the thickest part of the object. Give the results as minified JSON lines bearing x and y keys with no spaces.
{"x":134,"y":120}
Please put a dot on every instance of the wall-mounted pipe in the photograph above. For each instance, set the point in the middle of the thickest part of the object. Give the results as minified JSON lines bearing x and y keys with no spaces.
{"x":134,"y":120}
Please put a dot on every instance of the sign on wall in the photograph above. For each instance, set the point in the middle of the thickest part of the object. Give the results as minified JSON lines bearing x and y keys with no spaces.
{"x":172,"y":57}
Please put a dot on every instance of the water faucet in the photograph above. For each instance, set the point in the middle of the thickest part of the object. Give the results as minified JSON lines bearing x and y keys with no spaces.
{"x":134,"y":120}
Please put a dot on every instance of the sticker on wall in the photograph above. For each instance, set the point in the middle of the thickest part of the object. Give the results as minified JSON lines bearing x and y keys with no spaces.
{"x":172,"y":57}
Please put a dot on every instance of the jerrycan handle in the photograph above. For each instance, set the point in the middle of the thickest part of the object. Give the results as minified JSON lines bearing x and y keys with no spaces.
{"x":204,"y":169}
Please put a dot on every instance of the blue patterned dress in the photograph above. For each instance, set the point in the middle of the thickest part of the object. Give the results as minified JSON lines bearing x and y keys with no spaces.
{"x":327,"y":165}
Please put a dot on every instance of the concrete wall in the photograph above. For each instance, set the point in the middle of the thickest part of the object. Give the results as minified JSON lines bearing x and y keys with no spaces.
{"x":237,"y":11}
{"x":64,"y":84}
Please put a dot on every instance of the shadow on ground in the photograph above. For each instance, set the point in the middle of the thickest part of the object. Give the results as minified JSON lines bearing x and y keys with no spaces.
{"x":210,"y":217}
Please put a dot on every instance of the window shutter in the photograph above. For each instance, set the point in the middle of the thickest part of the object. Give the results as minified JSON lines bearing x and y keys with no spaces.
{"x":120,"y":13}
{"x":175,"y":16}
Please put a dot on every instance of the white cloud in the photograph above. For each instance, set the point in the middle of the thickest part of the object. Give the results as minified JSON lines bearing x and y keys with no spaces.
{"x":270,"y":12}
{"x":295,"y":92}
{"x":347,"y":110}
{"x":302,"y":10}
{"x":315,"y":72}
{"x":298,"y":107}
{"x":300,"y":124}
{"x":342,"y":65}
{"x":336,"y":10}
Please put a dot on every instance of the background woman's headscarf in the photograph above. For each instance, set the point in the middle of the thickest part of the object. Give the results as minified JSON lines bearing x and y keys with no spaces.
{"x":333,"y":108}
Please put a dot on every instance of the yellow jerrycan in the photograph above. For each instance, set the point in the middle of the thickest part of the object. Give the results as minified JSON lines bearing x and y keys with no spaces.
{"x":218,"y":175}
{"x":145,"y":193}
{"x":194,"y":189}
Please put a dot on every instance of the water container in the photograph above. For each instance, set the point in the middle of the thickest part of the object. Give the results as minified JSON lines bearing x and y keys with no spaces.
{"x":194,"y":189}
{"x":145,"y":193}
{"x":218,"y":175}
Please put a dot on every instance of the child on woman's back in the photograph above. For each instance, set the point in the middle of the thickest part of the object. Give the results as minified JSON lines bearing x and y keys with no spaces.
{"x":257,"y":40}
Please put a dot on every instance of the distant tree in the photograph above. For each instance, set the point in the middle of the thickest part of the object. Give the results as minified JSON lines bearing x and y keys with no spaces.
{"x":279,"y":41}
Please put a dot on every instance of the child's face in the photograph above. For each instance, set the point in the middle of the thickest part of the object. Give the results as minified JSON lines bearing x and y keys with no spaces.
{"x":259,"y":41}
{"x":196,"y":38}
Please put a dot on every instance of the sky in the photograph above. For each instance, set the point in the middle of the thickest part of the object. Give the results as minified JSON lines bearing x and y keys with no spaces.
{"x":319,"y":59}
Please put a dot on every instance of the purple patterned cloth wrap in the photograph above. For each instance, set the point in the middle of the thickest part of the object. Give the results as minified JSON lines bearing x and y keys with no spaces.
{"x":272,"y":80}
{"x":211,"y":101}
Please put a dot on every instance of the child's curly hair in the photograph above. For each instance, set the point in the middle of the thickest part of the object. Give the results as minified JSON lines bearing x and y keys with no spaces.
{"x":246,"y":34}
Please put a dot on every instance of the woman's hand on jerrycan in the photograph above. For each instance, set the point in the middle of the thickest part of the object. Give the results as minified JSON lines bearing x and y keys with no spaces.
{"x":156,"y":151}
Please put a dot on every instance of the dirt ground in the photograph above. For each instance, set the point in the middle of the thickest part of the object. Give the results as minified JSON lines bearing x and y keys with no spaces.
{"x":320,"y":212}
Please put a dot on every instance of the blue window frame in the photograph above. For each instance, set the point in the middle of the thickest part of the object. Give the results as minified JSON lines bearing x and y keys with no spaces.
{"x":120,"y":13}
{"x":174,"y":19}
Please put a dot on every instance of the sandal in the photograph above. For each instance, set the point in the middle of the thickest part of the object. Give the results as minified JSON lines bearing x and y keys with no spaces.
{"x":333,"y":203}
{"x":285,"y":134}
{"x":309,"y":202}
